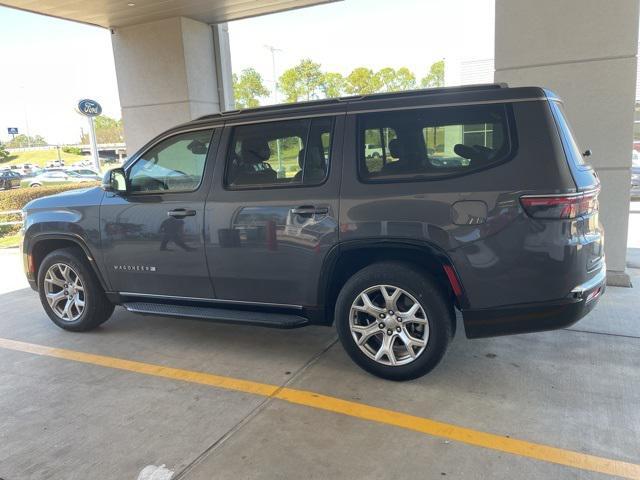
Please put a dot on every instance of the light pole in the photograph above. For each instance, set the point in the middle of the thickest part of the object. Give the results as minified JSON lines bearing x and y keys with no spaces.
{"x":26,"y":116}
{"x":273,"y":50}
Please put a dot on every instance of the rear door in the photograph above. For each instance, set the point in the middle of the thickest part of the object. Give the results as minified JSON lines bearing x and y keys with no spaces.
{"x":272,"y":216}
{"x":152,"y":237}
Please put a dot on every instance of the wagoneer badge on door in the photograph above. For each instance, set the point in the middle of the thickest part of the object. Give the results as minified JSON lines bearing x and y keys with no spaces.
{"x":135,"y":268}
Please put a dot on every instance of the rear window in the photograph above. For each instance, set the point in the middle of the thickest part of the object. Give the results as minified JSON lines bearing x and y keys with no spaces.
{"x":432,"y":142}
{"x":572,"y":150}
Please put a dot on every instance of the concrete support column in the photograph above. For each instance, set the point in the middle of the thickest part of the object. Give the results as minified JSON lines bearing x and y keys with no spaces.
{"x":169,"y":72}
{"x":223,"y":66}
{"x":585,"y":51}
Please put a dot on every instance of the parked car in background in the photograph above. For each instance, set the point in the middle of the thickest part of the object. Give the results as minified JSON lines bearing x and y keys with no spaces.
{"x":85,"y":173}
{"x":29,"y":169}
{"x":82,"y":163}
{"x":9,"y":179}
{"x":372,"y":151}
{"x":22,"y":170}
{"x":635,"y":175}
{"x":55,"y":177}
{"x":55,"y":163}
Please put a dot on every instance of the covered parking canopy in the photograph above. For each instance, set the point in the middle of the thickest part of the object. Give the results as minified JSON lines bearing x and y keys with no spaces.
{"x":122,"y":13}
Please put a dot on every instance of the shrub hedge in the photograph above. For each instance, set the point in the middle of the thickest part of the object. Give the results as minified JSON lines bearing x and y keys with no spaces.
{"x":72,"y":150}
{"x":16,"y":199}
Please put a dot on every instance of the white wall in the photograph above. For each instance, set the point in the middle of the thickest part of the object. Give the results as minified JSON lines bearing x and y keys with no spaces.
{"x":585,"y":51}
{"x":166,"y":74}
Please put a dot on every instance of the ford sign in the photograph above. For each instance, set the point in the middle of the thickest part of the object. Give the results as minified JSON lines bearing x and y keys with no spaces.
{"x":89,"y":108}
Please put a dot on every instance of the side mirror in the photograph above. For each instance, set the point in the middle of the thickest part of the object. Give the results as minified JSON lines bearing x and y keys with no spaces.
{"x":115,"y":181}
{"x":586,"y":153}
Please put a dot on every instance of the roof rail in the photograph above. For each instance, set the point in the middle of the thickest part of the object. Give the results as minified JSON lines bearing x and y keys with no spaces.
{"x":357,"y":98}
{"x":431,"y":91}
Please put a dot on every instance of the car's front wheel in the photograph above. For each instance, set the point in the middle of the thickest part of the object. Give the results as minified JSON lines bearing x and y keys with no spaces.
{"x":70,"y":291}
{"x":394,"y":321}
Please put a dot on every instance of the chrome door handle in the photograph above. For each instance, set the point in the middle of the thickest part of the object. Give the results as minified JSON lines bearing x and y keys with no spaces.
{"x":181,"y":213}
{"x":310,"y":210}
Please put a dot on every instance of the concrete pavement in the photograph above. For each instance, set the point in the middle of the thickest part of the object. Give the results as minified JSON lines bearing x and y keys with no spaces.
{"x":11,"y":277}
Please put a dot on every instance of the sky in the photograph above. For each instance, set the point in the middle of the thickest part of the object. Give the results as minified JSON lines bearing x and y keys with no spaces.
{"x":49,"y":64}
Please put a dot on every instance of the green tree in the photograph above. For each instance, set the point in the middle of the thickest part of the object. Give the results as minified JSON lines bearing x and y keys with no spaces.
{"x":435,"y":77}
{"x":108,"y":130}
{"x":332,"y":85}
{"x":362,"y":81}
{"x":248,"y":88}
{"x":302,"y":82}
{"x":22,"y":140}
{"x":4,"y":154}
{"x":392,"y":80}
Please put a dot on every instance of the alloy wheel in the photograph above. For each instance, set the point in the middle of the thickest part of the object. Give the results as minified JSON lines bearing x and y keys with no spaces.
{"x":389,"y":325}
{"x":64,"y":291}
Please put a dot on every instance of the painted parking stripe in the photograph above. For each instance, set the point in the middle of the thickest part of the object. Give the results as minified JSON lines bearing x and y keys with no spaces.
{"x":362,"y":411}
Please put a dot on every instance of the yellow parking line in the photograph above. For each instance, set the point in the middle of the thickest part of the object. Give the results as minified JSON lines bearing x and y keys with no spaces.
{"x":362,"y":411}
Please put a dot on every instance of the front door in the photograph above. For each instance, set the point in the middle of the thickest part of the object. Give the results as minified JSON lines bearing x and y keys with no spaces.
{"x":272,"y":216}
{"x":152,"y":236}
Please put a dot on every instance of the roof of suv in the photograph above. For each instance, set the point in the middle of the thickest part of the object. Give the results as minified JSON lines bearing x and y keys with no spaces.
{"x":493,"y":92}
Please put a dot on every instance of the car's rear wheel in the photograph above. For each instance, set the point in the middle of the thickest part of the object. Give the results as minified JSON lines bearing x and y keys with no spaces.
{"x":70,"y":291}
{"x":394,"y":321}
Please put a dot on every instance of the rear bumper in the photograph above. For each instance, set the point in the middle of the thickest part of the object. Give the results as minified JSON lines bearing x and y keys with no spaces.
{"x":536,"y":317}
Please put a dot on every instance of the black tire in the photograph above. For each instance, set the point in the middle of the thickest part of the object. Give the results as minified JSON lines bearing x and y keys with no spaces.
{"x":437,"y":307}
{"x":97,"y":308}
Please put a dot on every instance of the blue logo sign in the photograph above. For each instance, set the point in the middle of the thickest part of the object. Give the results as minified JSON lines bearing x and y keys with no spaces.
{"x":12,"y":130}
{"x":89,"y":108}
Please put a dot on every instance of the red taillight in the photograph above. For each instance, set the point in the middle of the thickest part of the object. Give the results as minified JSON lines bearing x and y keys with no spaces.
{"x":561,"y":206}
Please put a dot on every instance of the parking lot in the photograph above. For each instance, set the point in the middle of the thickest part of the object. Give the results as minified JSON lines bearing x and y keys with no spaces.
{"x":217,"y":401}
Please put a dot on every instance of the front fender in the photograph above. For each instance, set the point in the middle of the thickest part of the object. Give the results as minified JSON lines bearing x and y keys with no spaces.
{"x":36,"y":248}
{"x":59,"y":221}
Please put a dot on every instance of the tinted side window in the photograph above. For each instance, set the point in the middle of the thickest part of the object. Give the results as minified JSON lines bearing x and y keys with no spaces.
{"x":431,"y":142}
{"x":173,"y":165}
{"x":286,"y":153}
{"x":568,"y":139}
{"x":376,"y":148}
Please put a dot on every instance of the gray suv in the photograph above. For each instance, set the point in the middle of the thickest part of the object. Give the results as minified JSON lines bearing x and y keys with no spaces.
{"x":478,"y":200}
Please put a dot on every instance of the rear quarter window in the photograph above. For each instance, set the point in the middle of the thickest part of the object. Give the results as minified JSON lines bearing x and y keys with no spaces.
{"x":432,"y":143}
{"x":569,"y":143}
